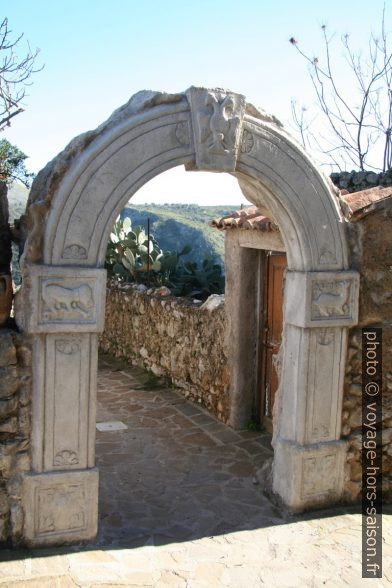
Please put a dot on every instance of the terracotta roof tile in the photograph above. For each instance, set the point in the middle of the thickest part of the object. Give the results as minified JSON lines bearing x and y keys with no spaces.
{"x":245,"y":218}
{"x":355,"y":205}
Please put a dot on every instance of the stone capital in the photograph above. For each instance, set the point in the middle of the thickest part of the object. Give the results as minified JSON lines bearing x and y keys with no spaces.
{"x":321,"y":299}
{"x":64,"y":300}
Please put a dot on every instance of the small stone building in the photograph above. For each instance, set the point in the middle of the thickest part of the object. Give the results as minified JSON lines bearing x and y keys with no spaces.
{"x":255,"y":276}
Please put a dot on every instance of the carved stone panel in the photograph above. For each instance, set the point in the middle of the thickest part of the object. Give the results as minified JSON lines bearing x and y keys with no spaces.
{"x":309,"y":476}
{"x":60,"y":507}
{"x":67,"y":388}
{"x":66,"y":299}
{"x":324,"y":382}
{"x":217,"y":121}
{"x":321,"y":299}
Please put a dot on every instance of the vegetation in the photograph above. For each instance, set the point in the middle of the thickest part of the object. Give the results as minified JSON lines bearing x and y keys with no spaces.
{"x":15,"y":74}
{"x":12,"y":166}
{"x":134,"y":256}
{"x":356,"y":107}
{"x":175,"y":225}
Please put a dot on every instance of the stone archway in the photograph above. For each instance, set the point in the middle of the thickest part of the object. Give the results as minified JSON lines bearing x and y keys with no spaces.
{"x":73,"y":204}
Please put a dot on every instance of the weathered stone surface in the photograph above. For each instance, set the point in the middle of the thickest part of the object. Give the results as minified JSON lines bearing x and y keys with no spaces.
{"x":9,"y":381}
{"x":7,"y":349}
{"x":15,"y":395}
{"x":46,"y":523}
{"x":173,"y":338}
{"x":370,"y":253}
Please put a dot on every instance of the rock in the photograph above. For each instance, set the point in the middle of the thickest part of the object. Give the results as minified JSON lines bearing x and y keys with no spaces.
{"x":9,"y":381}
{"x":9,"y":426}
{"x":214,"y":301}
{"x":162,"y":291}
{"x":386,"y":436}
{"x":7,"y":349}
{"x":372,"y":178}
{"x":141,"y":288}
{"x":7,"y":407}
{"x":4,"y":506}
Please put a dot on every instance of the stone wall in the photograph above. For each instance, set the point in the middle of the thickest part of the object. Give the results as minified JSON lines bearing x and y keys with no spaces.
{"x":371,"y":254}
{"x":15,"y":408}
{"x":174,"y":338}
{"x":361,"y":180}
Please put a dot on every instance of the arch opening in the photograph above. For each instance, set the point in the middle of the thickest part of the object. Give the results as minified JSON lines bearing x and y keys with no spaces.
{"x":72,"y":207}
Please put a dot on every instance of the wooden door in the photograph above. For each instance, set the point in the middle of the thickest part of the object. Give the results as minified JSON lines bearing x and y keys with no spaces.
{"x":275,"y":266}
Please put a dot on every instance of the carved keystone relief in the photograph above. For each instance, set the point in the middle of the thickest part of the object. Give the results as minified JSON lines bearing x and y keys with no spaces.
{"x":217,"y":121}
{"x":66,"y":299}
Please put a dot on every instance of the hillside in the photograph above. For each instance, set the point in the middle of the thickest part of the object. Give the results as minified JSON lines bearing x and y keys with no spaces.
{"x":173,"y":225}
{"x":176,"y":225}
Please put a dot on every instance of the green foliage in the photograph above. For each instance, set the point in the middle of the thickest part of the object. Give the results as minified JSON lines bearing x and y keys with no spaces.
{"x":130,"y":254}
{"x":175,"y":225}
{"x":12,"y":164}
{"x":199,"y":282}
{"x":255,"y":426}
{"x":132,"y":257}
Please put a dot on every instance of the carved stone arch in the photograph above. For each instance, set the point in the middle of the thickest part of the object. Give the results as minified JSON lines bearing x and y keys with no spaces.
{"x":72,"y":207}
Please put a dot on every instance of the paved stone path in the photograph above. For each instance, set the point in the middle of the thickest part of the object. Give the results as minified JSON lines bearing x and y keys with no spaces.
{"x":180,"y":506}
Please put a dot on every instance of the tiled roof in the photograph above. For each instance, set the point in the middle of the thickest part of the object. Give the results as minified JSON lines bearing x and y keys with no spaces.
{"x":354,"y":206}
{"x":246,"y":218}
{"x":358,"y":204}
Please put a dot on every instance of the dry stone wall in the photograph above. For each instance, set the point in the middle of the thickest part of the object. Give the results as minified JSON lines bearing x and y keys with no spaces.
{"x":361,"y":180}
{"x":174,"y":338}
{"x":370,"y":245}
{"x":15,"y":408}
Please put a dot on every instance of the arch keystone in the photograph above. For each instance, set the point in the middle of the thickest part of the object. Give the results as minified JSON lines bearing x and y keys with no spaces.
{"x":217,"y":117}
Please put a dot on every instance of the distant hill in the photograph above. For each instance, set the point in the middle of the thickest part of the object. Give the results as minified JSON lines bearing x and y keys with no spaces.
{"x":176,"y":225}
{"x":173,"y":225}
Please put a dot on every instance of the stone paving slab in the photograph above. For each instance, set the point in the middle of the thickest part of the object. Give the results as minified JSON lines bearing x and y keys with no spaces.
{"x":179,"y":507}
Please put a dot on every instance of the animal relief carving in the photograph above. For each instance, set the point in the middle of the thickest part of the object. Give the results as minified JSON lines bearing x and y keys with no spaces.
{"x":62,"y":303}
{"x":330,"y":299}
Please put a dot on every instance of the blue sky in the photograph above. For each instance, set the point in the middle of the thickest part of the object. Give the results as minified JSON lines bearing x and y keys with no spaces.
{"x":98,"y":53}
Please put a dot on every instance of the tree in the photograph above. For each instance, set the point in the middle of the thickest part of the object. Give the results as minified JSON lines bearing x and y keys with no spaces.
{"x":15,"y":74}
{"x":12,"y":166}
{"x":360,"y":125}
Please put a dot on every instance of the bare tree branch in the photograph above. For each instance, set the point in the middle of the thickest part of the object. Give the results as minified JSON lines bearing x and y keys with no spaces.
{"x":15,"y":74}
{"x":361,"y":125}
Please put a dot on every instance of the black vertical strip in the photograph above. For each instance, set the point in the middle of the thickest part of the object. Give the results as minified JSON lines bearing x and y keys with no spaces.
{"x":371,"y":453}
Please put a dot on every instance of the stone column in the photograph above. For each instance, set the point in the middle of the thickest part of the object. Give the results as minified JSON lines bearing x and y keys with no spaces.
{"x":64,"y":307}
{"x":241,"y":309}
{"x":309,"y":455}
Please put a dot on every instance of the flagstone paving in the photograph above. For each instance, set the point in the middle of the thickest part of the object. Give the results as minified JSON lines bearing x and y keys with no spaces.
{"x":181,"y":506}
